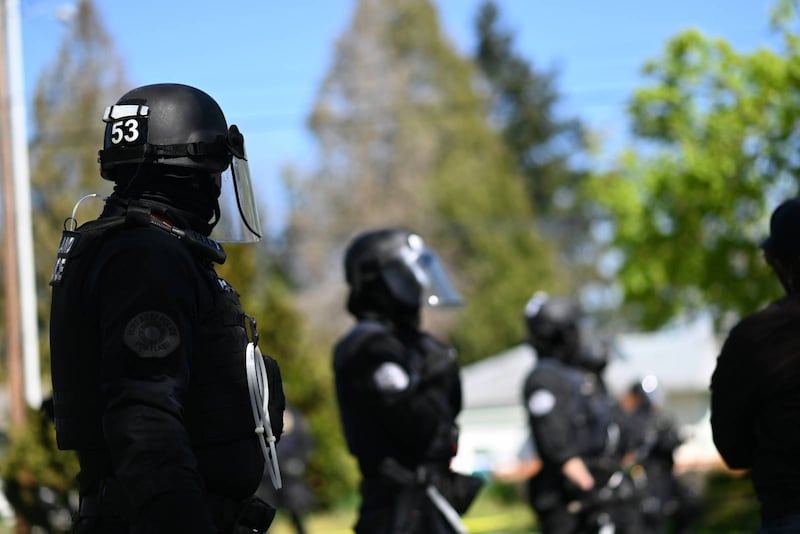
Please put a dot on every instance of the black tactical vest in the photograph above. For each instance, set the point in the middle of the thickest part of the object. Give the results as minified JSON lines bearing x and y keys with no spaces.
{"x":592,"y":415}
{"x":431,"y":367}
{"x":217,"y":406}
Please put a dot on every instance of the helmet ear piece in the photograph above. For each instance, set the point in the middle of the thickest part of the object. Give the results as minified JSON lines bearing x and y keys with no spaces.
{"x":235,"y":142}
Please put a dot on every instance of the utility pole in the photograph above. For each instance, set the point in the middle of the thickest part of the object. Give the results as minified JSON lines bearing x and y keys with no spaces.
{"x":10,"y":263}
{"x":22,"y":201}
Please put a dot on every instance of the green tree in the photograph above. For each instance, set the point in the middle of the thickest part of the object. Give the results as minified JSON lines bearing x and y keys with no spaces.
{"x":308,"y":385}
{"x":716,"y":150}
{"x":523,"y":104}
{"x":67,"y":109}
{"x":68,"y":105}
{"x":404,"y":141}
{"x":548,"y":149}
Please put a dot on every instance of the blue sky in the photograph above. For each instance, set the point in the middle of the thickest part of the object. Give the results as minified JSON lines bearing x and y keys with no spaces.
{"x":263,"y":60}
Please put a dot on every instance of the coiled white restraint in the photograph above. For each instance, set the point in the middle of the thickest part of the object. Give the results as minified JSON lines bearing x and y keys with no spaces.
{"x":259,"y":401}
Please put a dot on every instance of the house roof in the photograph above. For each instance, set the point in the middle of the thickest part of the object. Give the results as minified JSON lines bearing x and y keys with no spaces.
{"x":682,"y":357}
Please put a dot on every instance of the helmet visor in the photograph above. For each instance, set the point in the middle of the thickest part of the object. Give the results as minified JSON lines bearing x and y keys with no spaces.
{"x":424,"y":264}
{"x":239,"y":221}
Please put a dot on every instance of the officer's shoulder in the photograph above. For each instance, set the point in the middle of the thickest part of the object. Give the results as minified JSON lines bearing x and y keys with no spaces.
{"x":363,"y":336}
{"x":147,"y":244}
{"x":363,"y":332}
{"x":545,"y":372}
{"x":783,"y":313}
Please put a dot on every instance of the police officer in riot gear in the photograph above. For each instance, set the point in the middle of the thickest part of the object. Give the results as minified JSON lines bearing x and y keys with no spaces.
{"x":651,"y":438}
{"x":570,"y":414}
{"x":158,"y":383}
{"x":399,"y":389}
{"x":755,"y":388}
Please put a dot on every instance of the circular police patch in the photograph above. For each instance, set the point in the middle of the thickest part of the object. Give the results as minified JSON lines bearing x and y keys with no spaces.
{"x":152,"y":334}
{"x":541,"y":402}
{"x":390,"y":378}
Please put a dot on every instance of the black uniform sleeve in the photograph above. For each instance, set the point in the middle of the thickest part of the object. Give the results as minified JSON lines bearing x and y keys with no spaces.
{"x":422,"y":411}
{"x":147,"y":290}
{"x":732,"y":401}
{"x":552,"y":426}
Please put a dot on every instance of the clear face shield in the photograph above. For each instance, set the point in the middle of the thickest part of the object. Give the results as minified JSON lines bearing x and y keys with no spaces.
{"x":239,"y":221}
{"x":424,"y":264}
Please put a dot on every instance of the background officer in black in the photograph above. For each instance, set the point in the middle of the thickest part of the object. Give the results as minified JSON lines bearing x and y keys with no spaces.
{"x":399,"y":389}
{"x":755,"y":388}
{"x":156,"y":377}
{"x":570,"y":415}
{"x":651,"y":439}
{"x":296,"y":497}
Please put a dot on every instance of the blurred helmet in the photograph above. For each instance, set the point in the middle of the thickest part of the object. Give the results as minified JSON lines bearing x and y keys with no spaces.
{"x":784,"y":227}
{"x":553,"y":326}
{"x":391,"y":271}
{"x":782,"y":247}
{"x":180,"y":131}
{"x":648,"y":390}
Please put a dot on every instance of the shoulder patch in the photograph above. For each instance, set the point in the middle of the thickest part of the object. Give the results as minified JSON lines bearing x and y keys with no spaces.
{"x":541,"y":402}
{"x":390,"y":377}
{"x":152,"y":334}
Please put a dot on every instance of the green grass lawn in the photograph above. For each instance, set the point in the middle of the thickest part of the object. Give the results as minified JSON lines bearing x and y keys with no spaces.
{"x":488,"y":515}
{"x":728,"y":506}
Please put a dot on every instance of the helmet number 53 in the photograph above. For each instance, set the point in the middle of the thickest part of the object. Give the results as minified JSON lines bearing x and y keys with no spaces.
{"x":127,"y":130}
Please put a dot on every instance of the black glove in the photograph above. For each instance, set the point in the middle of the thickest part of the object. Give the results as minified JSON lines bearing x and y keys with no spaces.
{"x":255,"y":517}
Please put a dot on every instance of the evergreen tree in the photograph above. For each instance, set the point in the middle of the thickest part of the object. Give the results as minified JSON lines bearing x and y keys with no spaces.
{"x":523,"y":104}
{"x":68,"y":105}
{"x":547,"y":149}
{"x":404,"y":141}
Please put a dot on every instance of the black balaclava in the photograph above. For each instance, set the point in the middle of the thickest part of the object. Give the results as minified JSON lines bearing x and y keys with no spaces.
{"x":186,"y":199}
{"x":373,"y":300}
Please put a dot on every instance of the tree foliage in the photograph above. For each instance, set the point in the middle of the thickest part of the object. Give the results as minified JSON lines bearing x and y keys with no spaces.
{"x":524,"y":104}
{"x":68,"y":106}
{"x":716,"y":150}
{"x":308,"y":384}
{"x":549,"y":151}
{"x":404,"y":141}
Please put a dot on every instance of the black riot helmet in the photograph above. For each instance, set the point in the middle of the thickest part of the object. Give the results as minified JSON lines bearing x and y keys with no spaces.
{"x":391,"y":273}
{"x":648,"y":391}
{"x":168,"y":124}
{"x":175,"y":130}
{"x":553,"y":325}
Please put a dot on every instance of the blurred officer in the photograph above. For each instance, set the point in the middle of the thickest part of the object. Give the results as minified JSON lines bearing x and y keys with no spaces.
{"x":399,"y":389}
{"x":570,"y":415}
{"x":651,"y":437}
{"x":755,"y":388}
{"x":297,"y":444}
{"x":158,"y":382}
